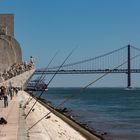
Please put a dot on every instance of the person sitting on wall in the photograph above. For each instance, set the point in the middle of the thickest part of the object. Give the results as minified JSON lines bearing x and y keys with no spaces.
{"x":1,"y":78}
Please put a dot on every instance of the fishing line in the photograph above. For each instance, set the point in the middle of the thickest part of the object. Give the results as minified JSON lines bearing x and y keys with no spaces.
{"x":80,"y":91}
{"x":41,"y":78}
{"x":50,"y":80}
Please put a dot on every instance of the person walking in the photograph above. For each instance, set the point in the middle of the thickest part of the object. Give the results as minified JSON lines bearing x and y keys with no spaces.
{"x":5,"y":96}
{"x":16,"y":90}
{"x":11,"y":92}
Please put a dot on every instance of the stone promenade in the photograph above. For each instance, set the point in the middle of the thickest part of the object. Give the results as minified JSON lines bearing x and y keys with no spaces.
{"x":15,"y":129}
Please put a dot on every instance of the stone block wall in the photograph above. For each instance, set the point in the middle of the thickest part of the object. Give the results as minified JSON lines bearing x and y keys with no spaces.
{"x":10,"y":50}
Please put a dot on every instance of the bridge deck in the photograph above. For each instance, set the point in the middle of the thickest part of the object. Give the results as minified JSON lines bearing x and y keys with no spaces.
{"x":37,"y":72}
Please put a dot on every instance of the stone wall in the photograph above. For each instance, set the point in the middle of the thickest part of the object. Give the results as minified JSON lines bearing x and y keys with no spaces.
{"x":10,"y":52}
{"x":20,"y":80}
{"x":7,"y":24}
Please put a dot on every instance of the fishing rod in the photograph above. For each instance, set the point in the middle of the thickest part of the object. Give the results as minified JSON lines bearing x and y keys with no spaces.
{"x":50,"y":81}
{"x":80,"y":91}
{"x":41,"y":78}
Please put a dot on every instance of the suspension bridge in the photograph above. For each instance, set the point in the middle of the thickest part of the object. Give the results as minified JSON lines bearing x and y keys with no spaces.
{"x":123,"y":60}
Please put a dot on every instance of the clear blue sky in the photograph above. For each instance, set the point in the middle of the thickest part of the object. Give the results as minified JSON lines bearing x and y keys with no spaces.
{"x":96,"y":26}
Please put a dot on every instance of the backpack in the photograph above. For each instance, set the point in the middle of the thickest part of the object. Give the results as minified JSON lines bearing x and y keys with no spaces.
{"x":3,"y":121}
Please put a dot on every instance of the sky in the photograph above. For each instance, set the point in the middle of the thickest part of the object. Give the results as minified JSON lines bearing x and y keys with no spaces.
{"x":95,"y":27}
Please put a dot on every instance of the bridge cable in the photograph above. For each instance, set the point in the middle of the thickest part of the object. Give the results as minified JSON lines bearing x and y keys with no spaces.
{"x":80,"y":91}
{"x":79,"y":62}
{"x":50,"y":81}
{"x":135,"y":48}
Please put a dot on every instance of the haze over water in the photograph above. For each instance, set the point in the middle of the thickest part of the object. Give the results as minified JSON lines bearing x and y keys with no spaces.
{"x":112,"y":110}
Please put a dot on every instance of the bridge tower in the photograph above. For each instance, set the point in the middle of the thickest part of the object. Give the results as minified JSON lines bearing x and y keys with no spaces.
{"x":129,"y":68}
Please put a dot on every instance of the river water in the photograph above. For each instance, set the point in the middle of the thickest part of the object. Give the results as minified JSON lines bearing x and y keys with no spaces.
{"x":113,"y":111}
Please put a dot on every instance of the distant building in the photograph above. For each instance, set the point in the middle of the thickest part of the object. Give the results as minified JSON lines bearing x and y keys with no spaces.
{"x":10,"y":50}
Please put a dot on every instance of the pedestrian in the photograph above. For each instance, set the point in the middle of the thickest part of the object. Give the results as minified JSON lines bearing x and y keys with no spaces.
{"x":1,"y":94}
{"x":16,"y":90}
{"x":2,"y":91}
{"x":5,"y":96}
{"x":11,"y":92}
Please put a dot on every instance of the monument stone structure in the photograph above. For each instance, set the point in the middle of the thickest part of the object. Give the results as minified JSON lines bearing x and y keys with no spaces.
{"x":10,"y":50}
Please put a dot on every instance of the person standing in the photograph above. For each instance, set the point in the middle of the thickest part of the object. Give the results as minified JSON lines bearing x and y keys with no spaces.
{"x":5,"y":96}
{"x":11,"y":92}
{"x":31,"y":60}
{"x":16,"y":91}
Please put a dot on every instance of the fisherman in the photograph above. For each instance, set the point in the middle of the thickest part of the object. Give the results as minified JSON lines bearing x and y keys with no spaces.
{"x":31,"y":60}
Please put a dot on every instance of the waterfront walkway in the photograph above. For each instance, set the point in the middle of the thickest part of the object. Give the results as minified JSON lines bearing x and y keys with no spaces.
{"x":13,"y":114}
{"x":17,"y":126}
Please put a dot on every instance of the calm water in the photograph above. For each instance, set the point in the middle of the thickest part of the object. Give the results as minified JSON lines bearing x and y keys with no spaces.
{"x":112,"y":110}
